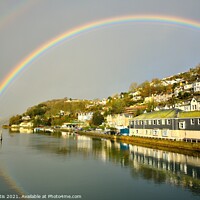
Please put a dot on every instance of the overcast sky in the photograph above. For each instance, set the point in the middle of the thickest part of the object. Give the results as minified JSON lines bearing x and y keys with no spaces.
{"x":97,"y":64}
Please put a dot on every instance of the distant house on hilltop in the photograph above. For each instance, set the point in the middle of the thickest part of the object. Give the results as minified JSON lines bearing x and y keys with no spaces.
{"x":26,"y":118}
{"x":26,"y":124}
{"x":189,"y":105}
{"x":196,"y":86}
{"x":162,"y":98}
{"x":188,"y":86}
{"x":135,"y":108}
{"x":171,"y":82}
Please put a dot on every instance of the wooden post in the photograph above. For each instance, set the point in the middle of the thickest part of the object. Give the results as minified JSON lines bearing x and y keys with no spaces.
{"x":1,"y":137}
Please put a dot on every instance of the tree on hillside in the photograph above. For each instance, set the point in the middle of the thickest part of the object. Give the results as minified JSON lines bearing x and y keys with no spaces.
{"x":37,"y":110}
{"x":127,"y":100}
{"x":145,"y":89}
{"x":133,"y":87}
{"x":117,"y":106}
{"x":37,"y":122}
{"x":15,"y":120}
{"x":97,"y":118}
{"x":198,"y":70}
{"x":151,"y":106}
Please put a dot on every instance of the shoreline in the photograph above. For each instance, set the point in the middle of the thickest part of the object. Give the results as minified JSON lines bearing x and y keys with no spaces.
{"x":187,"y":148}
{"x":168,"y":145}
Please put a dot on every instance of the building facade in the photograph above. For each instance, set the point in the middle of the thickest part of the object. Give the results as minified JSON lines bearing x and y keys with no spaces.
{"x":190,"y":105}
{"x":83,"y":117}
{"x":118,"y":121}
{"x":196,"y":86}
{"x":170,"y":127}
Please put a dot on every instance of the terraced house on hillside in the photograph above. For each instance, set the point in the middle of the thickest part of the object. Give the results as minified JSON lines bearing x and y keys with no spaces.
{"x":167,"y":124}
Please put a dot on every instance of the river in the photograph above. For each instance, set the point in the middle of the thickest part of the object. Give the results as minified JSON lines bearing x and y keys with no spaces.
{"x":73,"y":166}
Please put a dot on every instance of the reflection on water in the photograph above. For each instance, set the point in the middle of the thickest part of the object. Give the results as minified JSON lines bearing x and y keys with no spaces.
{"x":157,"y":165}
{"x":21,"y":130}
{"x":160,"y":167}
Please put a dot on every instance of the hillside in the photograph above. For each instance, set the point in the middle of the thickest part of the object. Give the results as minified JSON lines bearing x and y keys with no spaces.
{"x":190,"y":76}
{"x":170,"y":92}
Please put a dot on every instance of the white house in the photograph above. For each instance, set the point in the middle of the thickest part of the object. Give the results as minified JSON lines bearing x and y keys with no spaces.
{"x":163,"y":97}
{"x":26,"y":124}
{"x":62,"y":113}
{"x":196,"y":86}
{"x":85,"y":116}
{"x":26,"y":118}
{"x":185,"y":106}
{"x":166,"y":107}
{"x":188,"y":86}
{"x":195,"y":104}
{"x":193,"y":86}
{"x":192,"y":105}
{"x":171,"y":82}
{"x":118,"y":120}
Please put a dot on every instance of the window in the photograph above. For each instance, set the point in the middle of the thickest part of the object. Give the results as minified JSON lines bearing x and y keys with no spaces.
{"x":155,"y":132}
{"x":165,"y":133}
{"x":142,"y":122}
{"x":154,"y":122}
{"x":192,"y":121}
{"x":199,"y":121}
{"x":158,"y":122}
{"x":131,"y":124}
{"x":168,"y":121}
{"x":163,"y":121}
{"x":150,"y":132}
{"x":149,"y":122}
{"x":194,"y":107}
{"x":182,"y":125}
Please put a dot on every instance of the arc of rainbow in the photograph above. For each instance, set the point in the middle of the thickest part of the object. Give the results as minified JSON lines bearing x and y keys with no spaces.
{"x":93,"y":26}
{"x":11,"y":182}
{"x":16,"y":11}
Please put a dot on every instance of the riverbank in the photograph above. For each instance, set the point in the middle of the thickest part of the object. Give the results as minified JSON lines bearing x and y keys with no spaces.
{"x":168,"y":145}
{"x":182,"y":147}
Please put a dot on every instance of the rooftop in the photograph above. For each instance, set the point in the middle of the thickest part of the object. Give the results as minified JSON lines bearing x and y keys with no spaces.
{"x":189,"y":114}
{"x":158,"y":114}
{"x":168,"y":114}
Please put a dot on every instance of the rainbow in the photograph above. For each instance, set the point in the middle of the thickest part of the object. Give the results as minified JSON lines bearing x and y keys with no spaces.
{"x":9,"y":181}
{"x":16,"y":10}
{"x":70,"y":34}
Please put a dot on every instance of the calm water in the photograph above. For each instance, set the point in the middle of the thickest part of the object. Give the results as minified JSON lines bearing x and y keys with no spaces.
{"x":96,"y":169}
